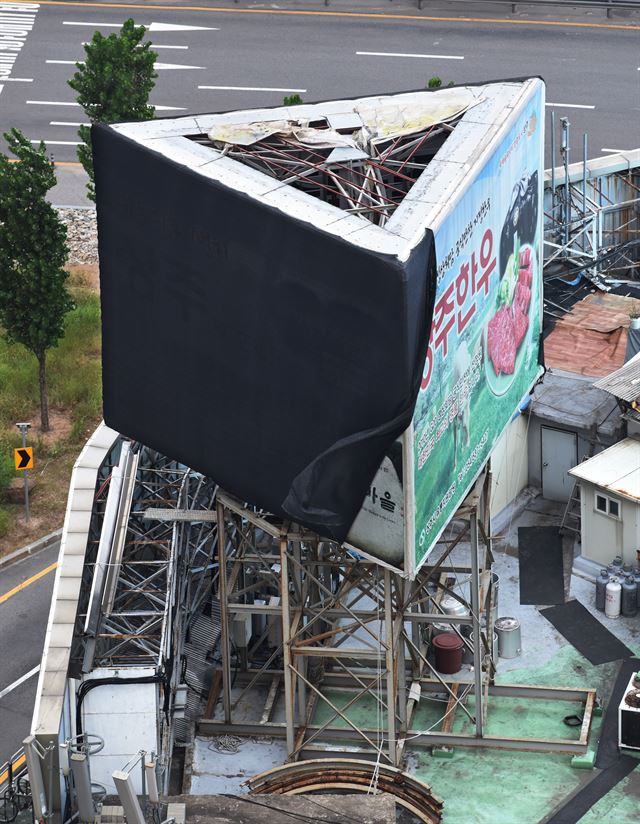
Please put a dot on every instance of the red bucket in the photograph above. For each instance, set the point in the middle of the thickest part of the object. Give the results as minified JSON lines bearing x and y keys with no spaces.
{"x":448,"y":649}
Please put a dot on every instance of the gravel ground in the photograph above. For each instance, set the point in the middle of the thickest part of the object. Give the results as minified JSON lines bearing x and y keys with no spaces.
{"x":82,"y":235}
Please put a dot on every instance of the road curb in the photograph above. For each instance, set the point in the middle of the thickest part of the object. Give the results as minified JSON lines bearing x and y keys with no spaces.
{"x":30,"y":549}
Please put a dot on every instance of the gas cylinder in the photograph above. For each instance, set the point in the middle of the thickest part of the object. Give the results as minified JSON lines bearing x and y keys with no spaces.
{"x":617,"y":563}
{"x":629,"y":596}
{"x":613,"y":597}
{"x":601,"y":588}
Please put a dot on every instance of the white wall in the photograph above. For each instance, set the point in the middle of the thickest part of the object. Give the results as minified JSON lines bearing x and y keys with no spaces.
{"x":125,"y":716}
{"x":604,"y":537}
{"x":509,"y":464}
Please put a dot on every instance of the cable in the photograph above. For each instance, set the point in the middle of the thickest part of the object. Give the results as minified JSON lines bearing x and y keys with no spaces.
{"x":300,"y":816}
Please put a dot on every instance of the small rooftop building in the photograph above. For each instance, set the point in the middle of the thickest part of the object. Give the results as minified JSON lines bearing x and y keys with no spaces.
{"x":610,"y":502}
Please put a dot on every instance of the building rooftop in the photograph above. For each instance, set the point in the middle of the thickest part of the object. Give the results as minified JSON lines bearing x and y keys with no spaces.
{"x":616,"y":469}
{"x":591,"y":339}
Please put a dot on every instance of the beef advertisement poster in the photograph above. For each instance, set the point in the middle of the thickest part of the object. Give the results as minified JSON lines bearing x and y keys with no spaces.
{"x":482,"y":356}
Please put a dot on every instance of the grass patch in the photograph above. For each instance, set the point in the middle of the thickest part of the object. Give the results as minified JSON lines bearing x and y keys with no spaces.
{"x":75,"y":400}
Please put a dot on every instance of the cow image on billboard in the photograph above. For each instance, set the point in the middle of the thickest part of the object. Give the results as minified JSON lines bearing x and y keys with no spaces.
{"x":483,"y":353}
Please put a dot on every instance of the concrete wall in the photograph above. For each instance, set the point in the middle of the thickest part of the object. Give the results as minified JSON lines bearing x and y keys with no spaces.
{"x":604,"y":537}
{"x":509,"y":465}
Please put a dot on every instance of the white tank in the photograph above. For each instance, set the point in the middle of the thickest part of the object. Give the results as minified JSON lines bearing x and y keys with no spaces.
{"x":612,"y":599}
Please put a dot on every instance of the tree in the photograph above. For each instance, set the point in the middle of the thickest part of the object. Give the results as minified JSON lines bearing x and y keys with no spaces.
{"x":33,"y":250}
{"x":113,"y":84}
{"x":292,"y":100}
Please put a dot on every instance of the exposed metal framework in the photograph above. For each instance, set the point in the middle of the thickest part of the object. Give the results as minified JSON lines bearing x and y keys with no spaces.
{"x":370,"y":183}
{"x":592,"y":217}
{"x":353,"y":628}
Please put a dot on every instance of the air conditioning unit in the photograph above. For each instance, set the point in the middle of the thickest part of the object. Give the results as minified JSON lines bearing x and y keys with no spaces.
{"x":629,"y":715}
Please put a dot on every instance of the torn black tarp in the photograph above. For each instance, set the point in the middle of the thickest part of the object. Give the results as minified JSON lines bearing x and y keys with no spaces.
{"x":280,"y":359}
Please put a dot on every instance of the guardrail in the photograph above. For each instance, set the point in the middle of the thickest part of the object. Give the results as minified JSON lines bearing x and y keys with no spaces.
{"x":15,"y":794}
{"x":608,"y":5}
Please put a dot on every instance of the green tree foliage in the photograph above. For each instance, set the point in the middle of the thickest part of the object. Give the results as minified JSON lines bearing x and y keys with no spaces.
{"x":434,"y":82}
{"x":292,"y":100}
{"x":113,"y":84}
{"x":33,"y":250}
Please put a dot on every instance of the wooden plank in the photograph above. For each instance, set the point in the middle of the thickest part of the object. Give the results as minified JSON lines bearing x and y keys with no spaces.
{"x":271,"y":698}
{"x":452,"y":705}
{"x":214,"y":694}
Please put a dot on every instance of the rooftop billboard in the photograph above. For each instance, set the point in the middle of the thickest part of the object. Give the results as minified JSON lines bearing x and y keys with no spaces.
{"x":483,"y":352}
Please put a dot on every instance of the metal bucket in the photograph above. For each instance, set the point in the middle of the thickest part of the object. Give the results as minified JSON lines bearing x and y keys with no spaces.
{"x":451,"y":606}
{"x":467,"y":655}
{"x":509,"y":638}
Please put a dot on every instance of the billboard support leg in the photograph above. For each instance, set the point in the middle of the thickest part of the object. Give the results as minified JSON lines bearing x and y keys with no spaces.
{"x":475,"y":612}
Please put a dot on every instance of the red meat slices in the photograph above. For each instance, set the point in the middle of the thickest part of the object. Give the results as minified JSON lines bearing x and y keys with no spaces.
{"x":520,"y":325}
{"x":507,"y":328}
{"x":522,"y":298}
{"x":501,"y":341}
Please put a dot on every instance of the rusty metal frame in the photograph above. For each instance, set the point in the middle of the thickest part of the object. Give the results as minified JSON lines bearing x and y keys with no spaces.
{"x":352,"y":625}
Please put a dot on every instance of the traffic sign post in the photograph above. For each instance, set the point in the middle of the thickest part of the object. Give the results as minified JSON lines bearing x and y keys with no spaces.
{"x":24,"y":461}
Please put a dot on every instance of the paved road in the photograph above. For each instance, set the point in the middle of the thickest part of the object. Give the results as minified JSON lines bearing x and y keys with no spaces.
{"x":23,"y":622}
{"x":590,"y":64}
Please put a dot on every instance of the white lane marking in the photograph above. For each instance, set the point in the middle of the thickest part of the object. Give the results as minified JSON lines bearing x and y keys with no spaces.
{"x":159,"y":66}
{"x":1,"y":88}
{"x":250,"y":89}
{"x":150,"y":27}
{"x":404,"y":54}
{"x":57,"y":142}
{"x":59,"y":103}
{"x":67,"y":123}
{"x":17,"y":79}
{"x":177,"y":27}
{"x":569,"y":106}
{"x":50,"y":103}
{"x":21,"y":680}
{"x":154,"y":46}
{"x":614,"y":151}
{"x":165,"y":66}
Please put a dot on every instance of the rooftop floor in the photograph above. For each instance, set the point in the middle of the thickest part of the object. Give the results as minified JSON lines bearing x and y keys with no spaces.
{"x":500,"y":787}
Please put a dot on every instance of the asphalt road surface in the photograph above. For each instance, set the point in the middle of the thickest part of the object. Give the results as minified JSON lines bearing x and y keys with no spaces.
{"x":23,"y":622}
{"x":216,"y":60}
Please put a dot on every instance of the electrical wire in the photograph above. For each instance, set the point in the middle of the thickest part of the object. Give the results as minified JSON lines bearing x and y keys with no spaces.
{"x":290,"y":813}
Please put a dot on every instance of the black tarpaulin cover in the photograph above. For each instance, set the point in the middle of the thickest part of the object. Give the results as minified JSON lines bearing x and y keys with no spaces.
{"x":277,"y":359}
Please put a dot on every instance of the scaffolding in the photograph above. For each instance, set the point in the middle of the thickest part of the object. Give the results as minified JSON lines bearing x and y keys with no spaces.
{"x":592,"y":214}
{"x":346,"y":624}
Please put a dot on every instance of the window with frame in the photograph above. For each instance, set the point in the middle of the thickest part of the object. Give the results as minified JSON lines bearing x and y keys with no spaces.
{"x":606,"y":505}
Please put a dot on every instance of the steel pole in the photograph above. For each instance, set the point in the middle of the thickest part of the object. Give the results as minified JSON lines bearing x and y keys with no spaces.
{"x":475,"y":614}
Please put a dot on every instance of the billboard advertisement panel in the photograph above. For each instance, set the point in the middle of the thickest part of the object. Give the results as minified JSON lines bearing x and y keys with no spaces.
{"x":482,"y":355}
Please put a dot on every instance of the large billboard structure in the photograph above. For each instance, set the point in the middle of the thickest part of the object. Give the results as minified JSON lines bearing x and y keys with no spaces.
{"x":327,"y":304}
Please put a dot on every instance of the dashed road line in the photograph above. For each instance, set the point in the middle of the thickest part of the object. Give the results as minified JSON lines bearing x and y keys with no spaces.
{"x":570,"y":106}
{"x":252,"y":89}
{"x":403,"y":54}
{"x":62,"y":103}
{"x":19,"y":681}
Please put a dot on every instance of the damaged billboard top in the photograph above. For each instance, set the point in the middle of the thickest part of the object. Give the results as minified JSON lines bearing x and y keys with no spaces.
{"x":329,"y":303}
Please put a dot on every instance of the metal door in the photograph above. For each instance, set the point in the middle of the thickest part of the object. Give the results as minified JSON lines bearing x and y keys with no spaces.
{"x":559,"y":455}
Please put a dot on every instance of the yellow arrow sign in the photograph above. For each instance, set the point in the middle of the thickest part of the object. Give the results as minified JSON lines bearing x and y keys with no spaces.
{"x":23,"y":457}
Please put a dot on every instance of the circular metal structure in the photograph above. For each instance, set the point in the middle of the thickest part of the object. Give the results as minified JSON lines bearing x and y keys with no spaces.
{"x":326,"y":774}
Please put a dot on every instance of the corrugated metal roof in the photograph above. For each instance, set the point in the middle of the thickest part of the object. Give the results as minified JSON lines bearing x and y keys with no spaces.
{"x":616,"y":469}
{"x":624,"y":383}
{"x":591,"y":339}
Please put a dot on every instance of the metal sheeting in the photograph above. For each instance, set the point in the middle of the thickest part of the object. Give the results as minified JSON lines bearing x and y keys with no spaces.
{"x":617,"y":469}
{"x":624,"y":383}
{"x":591,"y":339}
{"x":203,"y":635}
